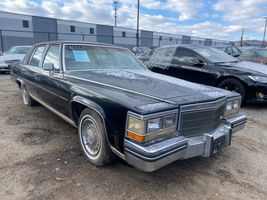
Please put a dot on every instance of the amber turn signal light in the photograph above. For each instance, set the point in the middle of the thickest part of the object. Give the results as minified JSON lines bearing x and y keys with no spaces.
{"x":136,"y":137}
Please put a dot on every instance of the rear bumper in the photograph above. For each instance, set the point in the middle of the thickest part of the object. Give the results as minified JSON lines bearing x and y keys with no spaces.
{"x":152,"y":157}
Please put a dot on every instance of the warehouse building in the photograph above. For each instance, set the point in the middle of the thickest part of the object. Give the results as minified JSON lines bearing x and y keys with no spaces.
{"x":19,"y":29}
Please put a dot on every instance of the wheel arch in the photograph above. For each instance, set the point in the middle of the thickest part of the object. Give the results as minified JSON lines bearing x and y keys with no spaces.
{"x":79,"y":103}
{"x":19,"y":82}
{"x":222,"y":78}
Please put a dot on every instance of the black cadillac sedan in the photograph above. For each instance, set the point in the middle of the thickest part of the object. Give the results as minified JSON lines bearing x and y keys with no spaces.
{"x":120,"y":107}
{"x":213,"y":67}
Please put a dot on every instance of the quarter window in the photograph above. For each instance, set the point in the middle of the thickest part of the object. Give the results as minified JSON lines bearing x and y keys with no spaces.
{"x":37,"y":56}
{"x":53,"y":56}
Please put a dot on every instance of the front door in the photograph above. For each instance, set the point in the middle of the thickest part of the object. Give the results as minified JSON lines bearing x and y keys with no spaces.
{"x":183,"y":67}
{"x":55,"y":90}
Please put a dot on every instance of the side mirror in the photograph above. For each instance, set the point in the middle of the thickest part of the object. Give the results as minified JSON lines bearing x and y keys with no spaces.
{"x":197,"y":62}
{"x":48,"y":67}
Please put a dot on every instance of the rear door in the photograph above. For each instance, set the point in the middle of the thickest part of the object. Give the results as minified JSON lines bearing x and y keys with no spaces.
{"x":32,"y":69}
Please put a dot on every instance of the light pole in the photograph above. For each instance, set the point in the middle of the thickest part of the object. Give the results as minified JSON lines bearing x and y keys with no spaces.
{"x":116,"y":7}
{"x":242,"y":34}
{"x":263,"y":40}
{"x":137,"y":29}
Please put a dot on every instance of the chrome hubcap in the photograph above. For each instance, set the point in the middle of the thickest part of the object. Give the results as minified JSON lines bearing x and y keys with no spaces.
{"x":90,"y":136}
{"x":25,"y":96}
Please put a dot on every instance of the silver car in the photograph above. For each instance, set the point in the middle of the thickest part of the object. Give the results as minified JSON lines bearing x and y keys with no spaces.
{"x":14,"y":54}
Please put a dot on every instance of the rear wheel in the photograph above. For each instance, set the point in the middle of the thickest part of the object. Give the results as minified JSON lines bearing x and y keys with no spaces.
{"x":234,"y":85}
{"x":27,"y":99}
{"x":92,"y":135}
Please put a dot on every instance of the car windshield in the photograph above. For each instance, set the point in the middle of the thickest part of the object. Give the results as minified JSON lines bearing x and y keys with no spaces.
{"x":215,"y":55}
{"x":83,"y":57}
{"x":18,"y":50}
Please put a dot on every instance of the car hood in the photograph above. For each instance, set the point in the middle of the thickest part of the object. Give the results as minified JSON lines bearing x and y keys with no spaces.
{"x":151,"y":85}
{"x":11,"y":57}
{"x":248,"y":67}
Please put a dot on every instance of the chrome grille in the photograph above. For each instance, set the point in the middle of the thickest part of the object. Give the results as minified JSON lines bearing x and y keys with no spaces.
{"x":197,"y":119}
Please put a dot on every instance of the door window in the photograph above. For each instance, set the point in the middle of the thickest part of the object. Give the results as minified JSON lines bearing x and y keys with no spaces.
{"x":53,"y":57}
{"x":162,"y":56}
{"x":184,"y":56}
{"x":37,"y":56}
{"x":228,"y":50}
{"x":236,"y":51}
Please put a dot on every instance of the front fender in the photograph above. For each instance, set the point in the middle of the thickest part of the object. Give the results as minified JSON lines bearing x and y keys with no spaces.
{"x":97,"y":108}
{"x":90,"y":104}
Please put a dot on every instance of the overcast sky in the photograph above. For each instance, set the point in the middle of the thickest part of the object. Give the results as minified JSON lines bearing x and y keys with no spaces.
{"x":221,"y":19}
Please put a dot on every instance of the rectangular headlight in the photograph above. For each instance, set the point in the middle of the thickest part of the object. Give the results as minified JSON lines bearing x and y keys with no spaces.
{"x":148,"y":127}
{"x":136,"y":125}
{"x":153,"y":125}
{"x":232,"y":106}
{"x":169,"y":121}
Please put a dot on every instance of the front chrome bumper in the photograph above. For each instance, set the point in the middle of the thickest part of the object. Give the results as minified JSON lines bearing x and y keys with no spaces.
{"x":150,"y":157}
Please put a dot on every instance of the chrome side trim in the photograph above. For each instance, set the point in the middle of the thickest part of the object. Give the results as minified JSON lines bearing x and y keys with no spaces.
{"x":118,"y":153}
{"x":70,"y":121}
{"x":119,"y":88}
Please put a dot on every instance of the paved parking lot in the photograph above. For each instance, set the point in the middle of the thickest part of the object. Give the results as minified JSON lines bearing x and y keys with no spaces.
{"x":40,"y":158}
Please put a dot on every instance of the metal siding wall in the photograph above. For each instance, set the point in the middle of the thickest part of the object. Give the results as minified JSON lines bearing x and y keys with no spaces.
{"x":9,"y":41}
{"x":10,"y":21}
{"x":13,"y":32}
{"x":82,"y":31}
{"x":1,"y":44}
{"x":129,"y":39}
{"x":104,"y":34}
{"x":186,"y":39}
{"x":208,"y":42}
{"x":44,"y":29}
{"x":146,"y":38}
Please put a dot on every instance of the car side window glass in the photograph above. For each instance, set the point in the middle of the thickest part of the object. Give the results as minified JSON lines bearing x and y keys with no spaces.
{"x":235,"y":50}
{"x":183,"y":56}
{"x":228,"y":50}
{"x":53,"y":57}
{"x":163,"y":56}
{"x":37,"y":56}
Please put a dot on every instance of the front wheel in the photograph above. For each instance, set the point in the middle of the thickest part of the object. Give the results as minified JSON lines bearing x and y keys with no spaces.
{"x":92,"y":135}
{"x":234,"y":85}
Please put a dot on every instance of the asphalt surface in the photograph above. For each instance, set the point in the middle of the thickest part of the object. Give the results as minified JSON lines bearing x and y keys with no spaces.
{"x":40,"y":158}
